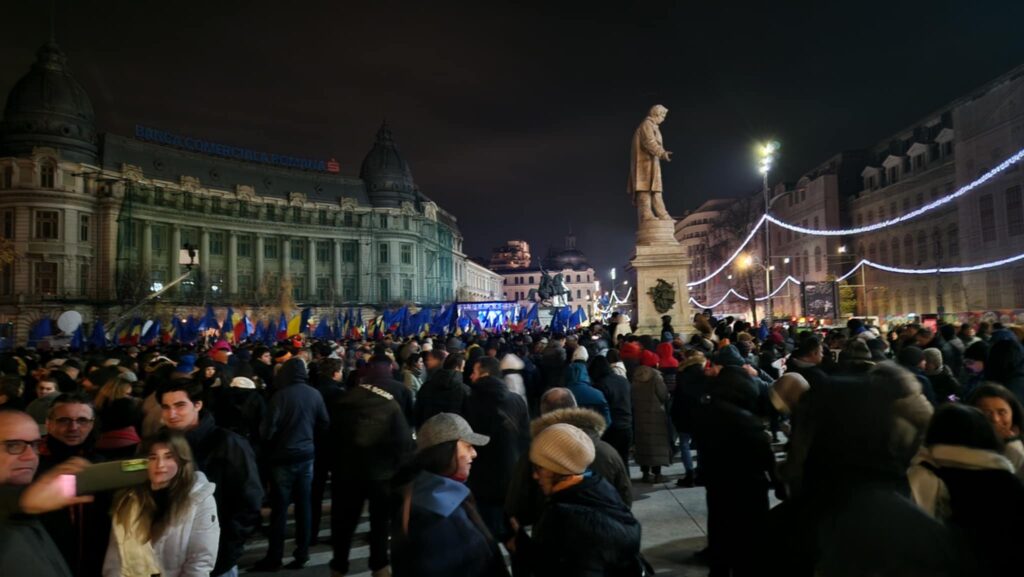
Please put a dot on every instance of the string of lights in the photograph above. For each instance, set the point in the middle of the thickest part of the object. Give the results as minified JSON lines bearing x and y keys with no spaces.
{"x":910,"y":215}
{"x":778,"y":289}
{"x":937,"y":203}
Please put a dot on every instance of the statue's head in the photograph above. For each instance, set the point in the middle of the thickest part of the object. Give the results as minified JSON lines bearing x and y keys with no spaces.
{"x":658,"y":113}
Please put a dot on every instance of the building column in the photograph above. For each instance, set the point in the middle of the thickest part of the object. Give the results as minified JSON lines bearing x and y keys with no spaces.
{"x":147,"y":248}
{"x":259,"y":260}
{"x":232,"y":263}
{"x":204,"y":248}
{"x":337,"y":271}
{"x":172,"y":258}
{"x":367,"y":272}
{"x":311,"y":268}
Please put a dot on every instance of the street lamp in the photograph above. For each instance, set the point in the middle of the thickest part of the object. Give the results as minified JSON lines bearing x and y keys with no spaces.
{"x":767,"y":156}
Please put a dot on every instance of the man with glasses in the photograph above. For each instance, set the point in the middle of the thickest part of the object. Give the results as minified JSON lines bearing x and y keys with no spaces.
{"x":80,"y":532}
{"x":25,"y":546}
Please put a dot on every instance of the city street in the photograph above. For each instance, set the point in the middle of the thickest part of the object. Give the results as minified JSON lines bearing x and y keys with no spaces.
{"x":674,"y":527}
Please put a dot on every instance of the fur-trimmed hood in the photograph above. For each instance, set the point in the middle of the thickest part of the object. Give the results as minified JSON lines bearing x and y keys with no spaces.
{"x":590,"y":422}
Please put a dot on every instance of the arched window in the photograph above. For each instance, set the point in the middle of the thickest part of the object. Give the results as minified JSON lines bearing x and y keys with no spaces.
{"x":895,"y":252}
{"x":908,"y":249}
{"x":922,"y":246}
{"x":817,"y":259}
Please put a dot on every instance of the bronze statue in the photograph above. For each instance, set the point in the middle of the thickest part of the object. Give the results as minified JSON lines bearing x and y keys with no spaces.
{"x":645,"y":167}
{"x":551,"y":290}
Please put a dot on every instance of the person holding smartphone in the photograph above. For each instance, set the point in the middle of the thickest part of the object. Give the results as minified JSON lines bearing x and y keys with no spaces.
{"x":167,"y":526}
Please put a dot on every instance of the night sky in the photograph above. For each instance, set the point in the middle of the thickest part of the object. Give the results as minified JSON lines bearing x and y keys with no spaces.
{"x":517,"y":117}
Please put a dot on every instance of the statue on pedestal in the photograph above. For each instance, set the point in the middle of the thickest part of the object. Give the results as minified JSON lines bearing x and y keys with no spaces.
{"x":552,"y":290}
{"x":646,"y":154}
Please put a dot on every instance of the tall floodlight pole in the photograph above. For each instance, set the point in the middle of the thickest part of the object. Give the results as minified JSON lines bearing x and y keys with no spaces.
{"x":767,"y":154}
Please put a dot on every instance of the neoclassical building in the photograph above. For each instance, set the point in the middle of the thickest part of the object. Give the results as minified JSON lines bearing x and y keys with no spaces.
{"x":95,"y":222}
{"x":521,"y":274}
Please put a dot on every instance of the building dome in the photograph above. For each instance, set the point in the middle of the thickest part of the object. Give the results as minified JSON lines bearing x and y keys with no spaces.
{"x":568,"y":258}
{"x":48,"y":107}
{"x":386,"y":174}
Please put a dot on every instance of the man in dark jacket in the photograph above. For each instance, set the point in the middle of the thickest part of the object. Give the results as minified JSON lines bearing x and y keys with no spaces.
{"x":444,"y":391}
{"x":371,"y":440}
{"x":380,"y":373}
{"x":806,"y":360}
{"x":616,"y":391}
{"x":552,"y":361}
{"x":329,"y":385}
{"x":25,"y":546}
{"x":736,"y":464}
{"x":81,"y":532}
{"x":296,"y":413}
{"x":912,"y":359}
{"x":492,"y":410}
{"x":225,"y":458}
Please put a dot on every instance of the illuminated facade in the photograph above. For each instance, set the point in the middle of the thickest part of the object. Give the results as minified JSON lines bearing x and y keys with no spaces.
{"x":96,"y":221}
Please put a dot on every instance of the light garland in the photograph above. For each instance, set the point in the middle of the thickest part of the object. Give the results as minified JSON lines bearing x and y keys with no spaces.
{"x":788,"y":280}
{"x":750,"y":237}
{"x":910,"y":215}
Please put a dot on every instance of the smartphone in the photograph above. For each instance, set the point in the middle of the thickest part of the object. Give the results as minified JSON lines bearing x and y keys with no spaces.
{"x":112,"y":475}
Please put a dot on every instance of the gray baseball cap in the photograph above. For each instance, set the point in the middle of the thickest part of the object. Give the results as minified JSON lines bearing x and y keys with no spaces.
{"x":444,"y":427}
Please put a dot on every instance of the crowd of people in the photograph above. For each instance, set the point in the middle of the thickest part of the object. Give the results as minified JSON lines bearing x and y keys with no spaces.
{"x":508,"y":453}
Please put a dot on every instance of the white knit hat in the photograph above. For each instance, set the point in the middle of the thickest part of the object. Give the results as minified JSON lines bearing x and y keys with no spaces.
{"x":581,"y":354}
{"x":562,"y":449}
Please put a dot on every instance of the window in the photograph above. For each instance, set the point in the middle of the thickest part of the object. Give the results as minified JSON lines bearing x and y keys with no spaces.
{"x":83,"y":278}
{"x":407,"y":288}
{"x":323,"y":251}
{"x":46,"y":278}
{"x":883,"y":252}
{"x":323,"y":288}
{"x":993,"y":289}
{"x":922,"y":246}
{"x":158,"y":238}
{"x":322,"y":217}
{"x":216,"y":244}
{"x":47,"y":225}
{"x":348,"y":251}
{"x":385,"y":290}
{"x":7,"y":279}
{"x":383,"y":220}
{"x":908,"y":249}
{"x":406,"y":223}
{"x":83,"y":228}
{"x":881,"y":213}
{"x":47,"y":173}
{"x":919,"y":162}
{"x":244,"y":283}
{"x":893,"y":174}
{"x":895,"y":252}
{"x":405,"y":253}
{"x":244,"y":246}
{"x":953,"y":240}
{"x":189,"y":236}
{"x":298,"y":249}
{"x":8,"y":224}
{"x":156,"y":280}
{"x":987,"y":211}
{"x":8,"y":177}
{"x":937,"y":245}
{"x":348,"y":288}
{"x":872,"y":252}
{"x":382,"y":253}
{"x":817,"y":259}
{"x":1014,"y":212}
{"x":270,"y":247}
{"x":531,"y":279}
{"x":348,"y":221}
{"x":299,"y":287}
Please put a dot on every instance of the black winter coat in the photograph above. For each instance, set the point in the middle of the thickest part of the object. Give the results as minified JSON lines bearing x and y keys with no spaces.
{"x":492,"y":410}
{"x":617,"y":392}
{"x":584,"y":531}
{"x":381,"y":376}
{"x":369,"y":435}
{"x":443,"y":392}
{"x":296,"y":413}
{"x":691,"y":385}
{"x":228,"y":461}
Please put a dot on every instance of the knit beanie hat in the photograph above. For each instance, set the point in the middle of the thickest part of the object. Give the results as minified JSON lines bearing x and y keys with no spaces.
{"x":580,"y":354}
{"x":562,"y":449}
{"x":728,"y":356}
{"x":910,"y":356}
{"x":977,"y":352}
{"x":649,"y":359}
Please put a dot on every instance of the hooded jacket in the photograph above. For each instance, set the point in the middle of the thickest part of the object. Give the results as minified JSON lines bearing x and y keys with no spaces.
{"x":369,"y":434}
{"x":525,"y":500}
{"x":380,"y":375}
{"x":444,"y":392}
{"x":295,"y":414}
{"x":186,"y":548}
{"x":651,"y":442}
{"x":578,"y":381}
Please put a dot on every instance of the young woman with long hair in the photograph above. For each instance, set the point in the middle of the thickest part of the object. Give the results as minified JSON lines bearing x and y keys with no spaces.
{"x":168,"y":525}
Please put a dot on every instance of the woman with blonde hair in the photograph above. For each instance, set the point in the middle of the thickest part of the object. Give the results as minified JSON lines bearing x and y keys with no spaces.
{"x":168,"y":525}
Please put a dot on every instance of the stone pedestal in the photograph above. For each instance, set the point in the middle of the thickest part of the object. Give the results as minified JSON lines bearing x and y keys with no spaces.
{"x":659,"y":256}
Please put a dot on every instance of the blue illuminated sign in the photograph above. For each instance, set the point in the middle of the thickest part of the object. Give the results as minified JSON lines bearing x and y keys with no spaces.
{"x":228,"y":151}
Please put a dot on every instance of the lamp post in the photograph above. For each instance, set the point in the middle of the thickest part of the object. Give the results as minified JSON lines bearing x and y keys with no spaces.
{"x":767,"y":154}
